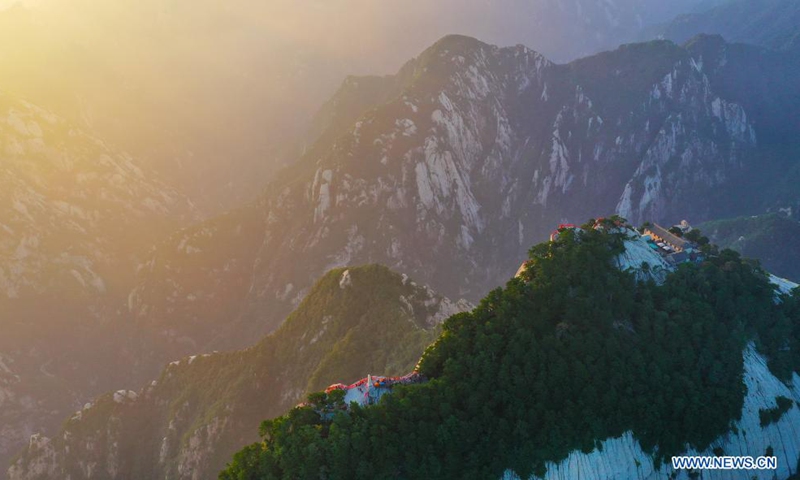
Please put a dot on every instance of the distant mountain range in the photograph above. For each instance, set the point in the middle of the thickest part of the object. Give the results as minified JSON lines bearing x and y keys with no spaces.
{"x":575,"y":369}
{"x":362,"y":320}
{"x":241,"y":87}
{"x":773,"y":239}
{"x":213,"y":96}
{"x":65,"y":194}
{"x":189,"y":422}
{"x":446,"y":171}
{"x":769,"y":23}
{"x":193,"y":91}
{"x":450,"y":169}
{"x":75,"y":217}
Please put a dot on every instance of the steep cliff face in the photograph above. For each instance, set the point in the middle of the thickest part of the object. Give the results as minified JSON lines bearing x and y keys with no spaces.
{"x":189,"y":422}
{"x":223,"y":148}
{"x":680,"y":160}
{"x":470,"y":154}
{"x":75,"y":214}
{"x":623,"y":458}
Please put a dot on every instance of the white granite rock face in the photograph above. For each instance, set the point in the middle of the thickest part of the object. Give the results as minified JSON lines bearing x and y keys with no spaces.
{"x":784,"y":286}
{"x":623,"y":459}
{"x":638,"y":254}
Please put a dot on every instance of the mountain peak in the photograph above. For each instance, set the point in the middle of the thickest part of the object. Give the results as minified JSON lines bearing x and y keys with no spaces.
{"x":348,"y":285}
{"x":458,"y":43}
{"x":706,"y":44}
{"x":589,"y":326}
{"x":705,"y":38}
{"x":711,"y":52}
{"x":354,"y":320}
{"x":455,"y":45}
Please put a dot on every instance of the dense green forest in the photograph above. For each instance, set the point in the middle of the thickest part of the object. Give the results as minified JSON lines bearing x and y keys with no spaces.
{"x":572,"y":352}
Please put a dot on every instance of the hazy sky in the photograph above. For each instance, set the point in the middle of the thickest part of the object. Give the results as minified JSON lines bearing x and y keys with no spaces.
{"x":233,"y":79}
{"x":28,"y":3}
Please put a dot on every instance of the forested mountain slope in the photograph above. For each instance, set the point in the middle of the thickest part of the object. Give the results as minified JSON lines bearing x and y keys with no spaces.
{"x":203,"y":408}
{"x":574,"y":369}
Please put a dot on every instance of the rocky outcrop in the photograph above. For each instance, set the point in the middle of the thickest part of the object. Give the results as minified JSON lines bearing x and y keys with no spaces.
{"x":473,"y":154}
{"x":623,"y":458}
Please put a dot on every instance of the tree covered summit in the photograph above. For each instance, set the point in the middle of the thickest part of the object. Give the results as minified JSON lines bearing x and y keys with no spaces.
{"x":570,"y":353}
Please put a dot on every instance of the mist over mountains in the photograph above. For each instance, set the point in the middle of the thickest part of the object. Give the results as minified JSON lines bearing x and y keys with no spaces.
{"x":479,"y":152}
{"x":770,"y":23}
{"x":175,"y":177}
{"x":201,"y":409}
{"x":216,"y":97}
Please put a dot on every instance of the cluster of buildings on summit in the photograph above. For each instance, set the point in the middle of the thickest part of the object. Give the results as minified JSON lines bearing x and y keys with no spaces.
{"x":671,"y":244}
{"x":675,"y":249}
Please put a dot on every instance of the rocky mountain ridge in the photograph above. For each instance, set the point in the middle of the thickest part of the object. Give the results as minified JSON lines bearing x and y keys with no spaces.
{"x":203,"y":408}
{"x":76,"y":59}
{"x":572,"y":282}
{"x":65,"y":192}
{"x":477,"y":152}
{"x":468,"y":155}
{"x":76,"y":216}
{"x":768,"y":23}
